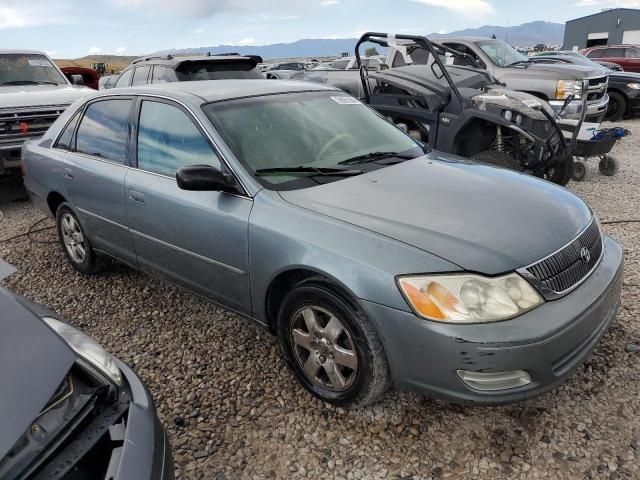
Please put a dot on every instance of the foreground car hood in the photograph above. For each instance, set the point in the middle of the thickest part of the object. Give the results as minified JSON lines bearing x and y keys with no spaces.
{"x":482,"y":218}
{"x":36,"y":95}
{"x":33,"y":362}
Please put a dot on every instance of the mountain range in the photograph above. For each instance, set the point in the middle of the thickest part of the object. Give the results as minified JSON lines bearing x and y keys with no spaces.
{"x":525,"y":35}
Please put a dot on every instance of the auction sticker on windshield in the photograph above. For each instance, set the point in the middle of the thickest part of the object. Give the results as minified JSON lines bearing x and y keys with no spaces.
{"x":346,"y":100}
{"x":34,"y":62}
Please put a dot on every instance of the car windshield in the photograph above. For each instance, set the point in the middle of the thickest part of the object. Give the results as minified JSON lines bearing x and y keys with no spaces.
{"x":501,"y":54}
{"x":28,"y":69}
{"x":309,"y":137}
{"x":217,"y":70}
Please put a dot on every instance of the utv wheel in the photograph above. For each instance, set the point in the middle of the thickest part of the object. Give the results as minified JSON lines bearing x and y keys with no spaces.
{"x":579,"y":171}
{"x":617,"y":107}
{"x":331,"y":345}
{"x":75,"y":243}
{"x":501,"y":159}
{"x":608,"y":165}
{"x":561,"y":171}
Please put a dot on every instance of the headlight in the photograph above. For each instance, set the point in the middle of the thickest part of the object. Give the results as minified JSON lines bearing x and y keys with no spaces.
{"x":87,"y":349}
{"x":564,"y":88}
{"x":635,"y":86}
{"x":467,"y":298}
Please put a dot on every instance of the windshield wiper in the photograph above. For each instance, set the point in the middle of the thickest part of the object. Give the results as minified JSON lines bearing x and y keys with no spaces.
{"x":519,"y":62}
{"x":29,"y":82}
{"x":306,"y":169}
{"x":373,"y":156}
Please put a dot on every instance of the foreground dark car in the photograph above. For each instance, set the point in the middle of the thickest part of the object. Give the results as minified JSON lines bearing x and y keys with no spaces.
{"x":69,"y":410}
{"x":375,"y":260}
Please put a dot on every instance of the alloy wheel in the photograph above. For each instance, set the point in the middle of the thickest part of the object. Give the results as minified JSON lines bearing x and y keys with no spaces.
{"x":323,"y":348}
{"x":73,"y":238}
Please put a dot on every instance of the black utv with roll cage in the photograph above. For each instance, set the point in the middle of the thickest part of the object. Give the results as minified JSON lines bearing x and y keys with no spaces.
{"x":462,"y":109}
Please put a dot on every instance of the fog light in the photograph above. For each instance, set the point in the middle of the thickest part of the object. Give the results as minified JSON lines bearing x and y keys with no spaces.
{"x":492,"y":381}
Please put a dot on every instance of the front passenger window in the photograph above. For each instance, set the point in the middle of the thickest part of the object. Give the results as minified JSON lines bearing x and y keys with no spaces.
{"x":169,"y":140}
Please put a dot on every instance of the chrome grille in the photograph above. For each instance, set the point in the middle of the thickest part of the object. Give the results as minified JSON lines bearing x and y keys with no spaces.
{"x":569,"y":266}
{"x":20,"y":124}
{"x":597,"y":87}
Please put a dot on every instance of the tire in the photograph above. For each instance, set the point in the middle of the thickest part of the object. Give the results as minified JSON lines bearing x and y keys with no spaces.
{"x":561,"y":171}
{"x":608,"y":165}
{"x":617,"y":107}
{"x":579,"y":171}
{"x":74,"y":242}
{"x":499,"y":159}
{"x":331,"y":345}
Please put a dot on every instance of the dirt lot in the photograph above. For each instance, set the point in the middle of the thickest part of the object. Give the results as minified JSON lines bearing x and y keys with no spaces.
{"x":233,"y":410}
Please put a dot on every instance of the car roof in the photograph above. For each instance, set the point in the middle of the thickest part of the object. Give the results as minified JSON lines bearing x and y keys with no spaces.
{"x":175,"y":61}
{"x":217,"y":90}
{"x":9,"y":51}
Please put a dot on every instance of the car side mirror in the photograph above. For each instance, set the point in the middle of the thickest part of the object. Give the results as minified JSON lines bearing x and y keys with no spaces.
{"x":77,"y":80}
{"x":204,"y":178}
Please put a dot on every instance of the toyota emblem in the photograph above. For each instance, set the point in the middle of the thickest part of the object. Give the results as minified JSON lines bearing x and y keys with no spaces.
{"x":585,"y":254}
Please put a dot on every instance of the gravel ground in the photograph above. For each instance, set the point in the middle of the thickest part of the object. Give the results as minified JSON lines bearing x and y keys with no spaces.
{"x":233,"y":410}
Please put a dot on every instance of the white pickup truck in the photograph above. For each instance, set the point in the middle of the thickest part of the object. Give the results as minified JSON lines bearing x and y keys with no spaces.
{"x":33,"y":94}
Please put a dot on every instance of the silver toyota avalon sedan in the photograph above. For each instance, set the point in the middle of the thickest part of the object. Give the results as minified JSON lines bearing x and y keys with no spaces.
{"x":374,"y":260}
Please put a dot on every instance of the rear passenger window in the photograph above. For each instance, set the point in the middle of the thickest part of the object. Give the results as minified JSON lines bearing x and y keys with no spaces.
{"x":160,"y":74}
{"x":124,"y":79}
{"x":140,"y":76}
{"x":103,"y":130}
{"x":65,"y":140}
{"x":168,"y":140}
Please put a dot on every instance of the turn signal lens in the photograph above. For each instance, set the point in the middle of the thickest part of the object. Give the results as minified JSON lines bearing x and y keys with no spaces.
{"x":469,"y":298}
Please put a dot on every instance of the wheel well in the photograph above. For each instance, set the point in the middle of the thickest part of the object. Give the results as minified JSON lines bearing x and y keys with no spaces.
{"x":620,"y":92}
{"x":285,"y":281}
{"x":54,"y":199}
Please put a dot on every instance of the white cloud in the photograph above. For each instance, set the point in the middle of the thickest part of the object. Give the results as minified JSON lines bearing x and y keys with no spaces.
{"x":328,"y":3}
{"x":466,"y":7}
{"x":14,"y":14}
{"x":94,"y":50}
{"x":121,"y":50}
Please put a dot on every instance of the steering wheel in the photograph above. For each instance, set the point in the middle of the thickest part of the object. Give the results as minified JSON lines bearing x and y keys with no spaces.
{"x":331,"y":143}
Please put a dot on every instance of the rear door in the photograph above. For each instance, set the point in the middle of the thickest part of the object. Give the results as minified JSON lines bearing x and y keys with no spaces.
{"x":196,"y":239}
{"x":632,"y":59}
{"x":95,"y":171}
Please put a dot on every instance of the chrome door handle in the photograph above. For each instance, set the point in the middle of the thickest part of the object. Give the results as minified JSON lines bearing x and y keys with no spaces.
{"x":68,"y":174}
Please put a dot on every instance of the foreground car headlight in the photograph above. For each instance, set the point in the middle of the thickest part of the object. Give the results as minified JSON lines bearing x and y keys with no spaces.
{"x":564,"y":88}
{"x":635,"y":86}
{"x":87,"y":349}
{"x":467,"y":298}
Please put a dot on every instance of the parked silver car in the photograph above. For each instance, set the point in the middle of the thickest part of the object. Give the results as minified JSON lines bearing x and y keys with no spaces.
{"x":374,"y":260}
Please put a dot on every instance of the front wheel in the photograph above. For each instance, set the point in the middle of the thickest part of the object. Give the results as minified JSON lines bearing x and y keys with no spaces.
{"x":608,"y":165}
{"x":561,"y":170}
{"x":617,"y":107}
{"x":75,"y":243}
{"x":579,"y":171}
{"x":331,"y":345}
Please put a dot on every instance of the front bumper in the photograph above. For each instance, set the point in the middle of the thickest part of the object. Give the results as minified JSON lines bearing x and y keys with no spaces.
{"x":146,"y":452}
{"x":548,"y":343}
{"x":596,"y":109}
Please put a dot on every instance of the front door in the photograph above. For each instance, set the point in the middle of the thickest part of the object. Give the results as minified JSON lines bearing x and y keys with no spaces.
{"x":94,"y":171}
{"x":197,"y":239}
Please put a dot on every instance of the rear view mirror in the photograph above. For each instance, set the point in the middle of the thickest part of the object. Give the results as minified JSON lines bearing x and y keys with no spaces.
{"x":77,"y":80}
{"x":204,"y":178}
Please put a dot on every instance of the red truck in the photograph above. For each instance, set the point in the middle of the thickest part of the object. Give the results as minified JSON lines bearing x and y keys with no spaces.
{"x":88,"y":75}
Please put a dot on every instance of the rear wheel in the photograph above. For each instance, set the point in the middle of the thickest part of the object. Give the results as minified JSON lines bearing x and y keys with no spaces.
{"x":331,"y":345}
{"x":75,"y":243}
{"x":560,"y":171}
{"x":617,"y":107}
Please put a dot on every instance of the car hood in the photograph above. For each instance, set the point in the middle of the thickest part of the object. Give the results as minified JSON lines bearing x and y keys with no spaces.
{"x":36,"y":95}
{"x":34,"y":360}
{"x":483,"y":218}
{"x":624,"y":77}
{"x":567,"y":72}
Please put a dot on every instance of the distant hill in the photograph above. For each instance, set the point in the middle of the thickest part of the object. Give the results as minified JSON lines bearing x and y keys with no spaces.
{"x":525,"y":35}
